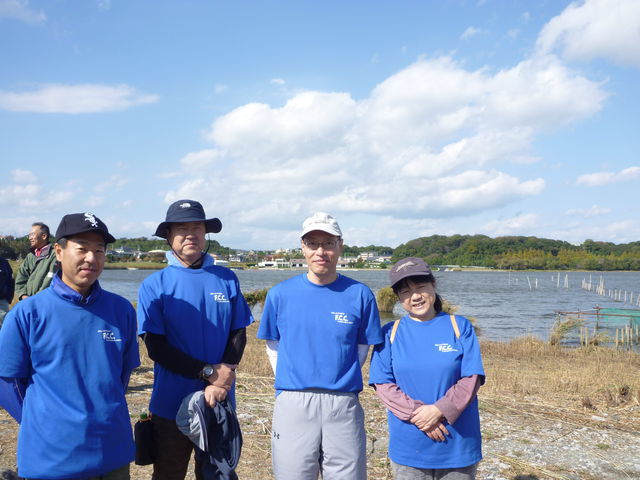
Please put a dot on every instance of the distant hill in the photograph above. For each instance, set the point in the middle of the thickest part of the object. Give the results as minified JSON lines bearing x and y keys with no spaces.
{"x":521,"y":253}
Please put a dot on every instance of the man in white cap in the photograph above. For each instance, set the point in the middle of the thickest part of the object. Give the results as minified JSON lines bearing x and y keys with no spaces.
{"x":318,"y":327}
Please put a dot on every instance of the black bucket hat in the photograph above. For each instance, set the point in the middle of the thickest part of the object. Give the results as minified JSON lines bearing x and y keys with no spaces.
{"x":187,"y":211}
{"x":76,"y":223}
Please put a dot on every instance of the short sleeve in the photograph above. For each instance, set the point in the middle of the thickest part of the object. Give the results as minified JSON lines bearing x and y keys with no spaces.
{"x":150,"y":316}
{"x":14,"y":346}
{"x":472,"y":358}
{"x":381,"y":369}
{"x":242,"y":316}
{"x":132,"y":353}
{"x":268,"y":329}
{"x":370,"y":332}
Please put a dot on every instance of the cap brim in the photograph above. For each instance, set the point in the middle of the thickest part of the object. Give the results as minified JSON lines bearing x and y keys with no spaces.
{"x":321,"y":228}
{"x":212,"y":225}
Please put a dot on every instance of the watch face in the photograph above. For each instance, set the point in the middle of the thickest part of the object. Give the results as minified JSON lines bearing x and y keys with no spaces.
{"x":207,"y":371}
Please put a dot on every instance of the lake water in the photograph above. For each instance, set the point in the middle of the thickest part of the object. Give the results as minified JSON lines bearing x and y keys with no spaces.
{"x":502,"y":302}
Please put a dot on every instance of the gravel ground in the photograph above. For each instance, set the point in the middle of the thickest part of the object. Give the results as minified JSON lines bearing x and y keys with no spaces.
{"x":523,"y":440}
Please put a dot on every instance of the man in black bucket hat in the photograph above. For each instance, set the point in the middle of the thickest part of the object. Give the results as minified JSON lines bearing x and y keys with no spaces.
{"x":193,"y":317}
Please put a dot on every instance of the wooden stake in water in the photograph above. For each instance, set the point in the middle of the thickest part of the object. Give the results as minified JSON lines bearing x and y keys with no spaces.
{"x":529,"y":282}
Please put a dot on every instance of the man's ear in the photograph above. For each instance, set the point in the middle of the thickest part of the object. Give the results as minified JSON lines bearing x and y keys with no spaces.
{"x":58,"y":250}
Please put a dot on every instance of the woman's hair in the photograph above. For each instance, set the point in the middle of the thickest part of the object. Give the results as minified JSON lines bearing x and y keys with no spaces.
{"x":404,"y":283}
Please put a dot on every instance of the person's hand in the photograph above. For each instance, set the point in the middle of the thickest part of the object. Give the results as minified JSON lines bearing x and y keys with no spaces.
{"x":426,"y":417}
{"x":437,"y":433}
{"x":213,"y":394}
{"x":223,"y":375}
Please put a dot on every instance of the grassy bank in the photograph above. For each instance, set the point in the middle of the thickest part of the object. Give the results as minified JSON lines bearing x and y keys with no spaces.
{"x":529,"y":383}
{"x":547,"y":413}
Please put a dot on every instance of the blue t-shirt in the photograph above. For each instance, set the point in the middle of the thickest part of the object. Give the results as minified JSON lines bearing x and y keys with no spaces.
{"x":425,"y":360}
{"x":319,"y":328}
{"x":195,"y":309}
{"x":76,"y":356}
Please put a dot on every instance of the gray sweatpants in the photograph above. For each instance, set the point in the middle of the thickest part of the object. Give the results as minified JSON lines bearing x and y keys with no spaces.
{"x":403,"y":472}
{"x":318,"y":431}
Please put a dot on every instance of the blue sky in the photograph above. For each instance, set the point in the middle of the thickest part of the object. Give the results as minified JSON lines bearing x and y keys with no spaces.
{"x":402,"y":119}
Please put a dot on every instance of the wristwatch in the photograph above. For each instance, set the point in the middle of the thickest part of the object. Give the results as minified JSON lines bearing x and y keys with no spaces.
{"x":206,"y":372}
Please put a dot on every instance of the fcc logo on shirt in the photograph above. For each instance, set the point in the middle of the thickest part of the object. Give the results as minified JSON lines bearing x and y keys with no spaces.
{"x":341,"y":317}
{"x":219,"y":297}
{"x":445,"y":347}
{"x":109,"y":336}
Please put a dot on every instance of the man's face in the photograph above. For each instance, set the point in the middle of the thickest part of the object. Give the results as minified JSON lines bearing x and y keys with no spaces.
{"x":82,"y":260}
{"x":37,"y":238}
{"x":322,"y":251}
{"x":187,"y":240}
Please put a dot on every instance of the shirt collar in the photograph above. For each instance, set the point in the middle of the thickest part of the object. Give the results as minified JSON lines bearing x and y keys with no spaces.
{"x":172,"y":260}
{"x":69,"y":294}
{"x":42,"y":252}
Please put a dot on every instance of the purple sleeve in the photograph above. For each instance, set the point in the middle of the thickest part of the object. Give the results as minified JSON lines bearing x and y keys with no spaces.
{"x":398,"y":402}
{"x":458,"y":397}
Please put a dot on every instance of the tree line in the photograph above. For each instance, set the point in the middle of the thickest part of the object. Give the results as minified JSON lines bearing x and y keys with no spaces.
{"x":520,"y":253}
{"x":515,"y":252}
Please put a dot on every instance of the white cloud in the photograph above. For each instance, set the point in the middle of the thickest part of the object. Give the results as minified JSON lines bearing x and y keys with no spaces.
{"x":433,"y":141}
{"x":219,"y":88}
{"x":277,"y":81}
{"x":513,"y":33}
{"x":518,"y":225}
{"x":470,"y":32}
{"x":608,"y":29}
{"x":87,"y":98}
{"x":112,"y":183}
{"x":593,"y":211}
{"x":26,"y":194}
{"x":199,"y":160}
{"x":23,"y":176}
{"x":20,"y":10}
{"x":604,"y":178}
{"x":95,"y":201}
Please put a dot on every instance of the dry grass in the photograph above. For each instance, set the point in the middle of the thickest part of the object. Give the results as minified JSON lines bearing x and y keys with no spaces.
{"x":597,"y":377}
{"x":527,"y":379}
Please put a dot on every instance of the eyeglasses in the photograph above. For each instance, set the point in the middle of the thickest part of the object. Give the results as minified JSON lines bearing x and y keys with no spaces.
{"x":328,"y":245}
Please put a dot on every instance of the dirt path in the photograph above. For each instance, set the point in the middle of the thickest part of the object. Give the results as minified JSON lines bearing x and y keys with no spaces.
{"x":524,"y":440}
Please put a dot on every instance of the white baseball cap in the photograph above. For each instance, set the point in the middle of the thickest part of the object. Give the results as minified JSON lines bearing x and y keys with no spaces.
{"x":323,"y":222}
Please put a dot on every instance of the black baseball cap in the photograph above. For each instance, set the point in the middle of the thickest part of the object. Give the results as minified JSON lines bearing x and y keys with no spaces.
{"x":187,"y":211}
{"x":408,"y":267}
{"x":76,"y":223}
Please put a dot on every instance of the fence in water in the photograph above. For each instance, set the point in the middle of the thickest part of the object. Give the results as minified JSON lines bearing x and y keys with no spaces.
{"x":617,"y":327}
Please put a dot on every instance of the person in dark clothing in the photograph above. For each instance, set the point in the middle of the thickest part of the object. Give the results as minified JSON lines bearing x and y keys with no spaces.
{"x":192,"y":316}
{"x":7,"y":286}
{"x":40,"y":265}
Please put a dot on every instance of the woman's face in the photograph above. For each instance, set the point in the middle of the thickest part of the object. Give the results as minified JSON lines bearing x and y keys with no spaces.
{"x":418,"y":299}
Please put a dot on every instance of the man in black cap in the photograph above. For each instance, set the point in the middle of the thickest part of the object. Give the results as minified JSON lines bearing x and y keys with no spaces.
{"x":68,"y":351}
{"x":193,"y":317}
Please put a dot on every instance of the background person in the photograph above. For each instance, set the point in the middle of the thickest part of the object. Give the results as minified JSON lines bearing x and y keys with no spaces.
{"x":427,"y":373}
{"x":193,"y":317}
{"x":318,"y":328}
{"x":39,"y":266}
{"x":68,"y":351}
{"x":7,"y":286}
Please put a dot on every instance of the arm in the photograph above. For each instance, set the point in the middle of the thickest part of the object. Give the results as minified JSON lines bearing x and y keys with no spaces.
{"x":12,"y":392}
{"x":235,"y":346}
{"x":22,"y":276}
{"x":172,"y":358}
{"x":363,"y":351}
{"x":272,"y":353}
{"x":396,"y":401}
{"x":458,"y":397}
